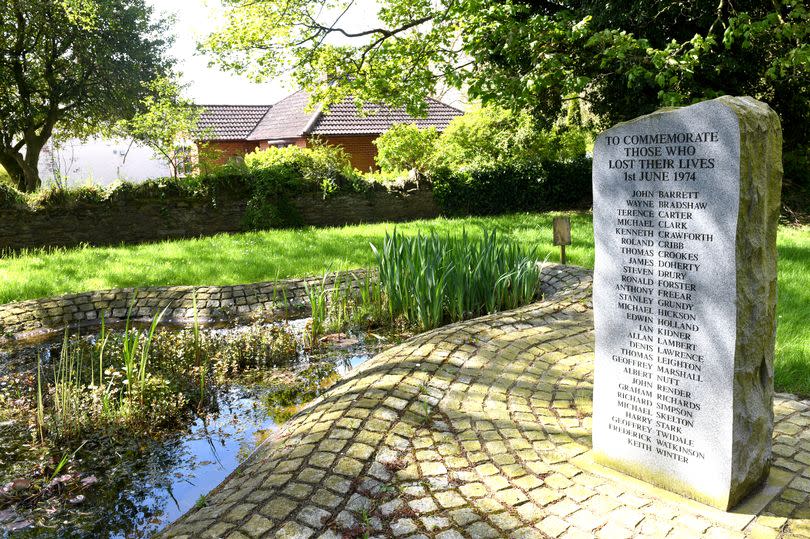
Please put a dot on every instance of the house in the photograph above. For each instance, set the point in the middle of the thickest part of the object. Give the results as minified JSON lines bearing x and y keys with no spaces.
{"x":230,"y":131}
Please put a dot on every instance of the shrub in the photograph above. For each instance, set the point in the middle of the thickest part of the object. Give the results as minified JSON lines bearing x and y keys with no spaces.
{"x":300,"y":169}
{"x":492,"y":137}
{"x":406,"y":147}
{"x":516,"y":187}
{"x":58,"y":197}
{"x":10,"y":197}
{"x":276,"y":173}
{"x":379,"y":177}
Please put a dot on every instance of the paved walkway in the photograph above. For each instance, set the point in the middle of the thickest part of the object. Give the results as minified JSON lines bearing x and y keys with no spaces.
{"x":480,"y":430}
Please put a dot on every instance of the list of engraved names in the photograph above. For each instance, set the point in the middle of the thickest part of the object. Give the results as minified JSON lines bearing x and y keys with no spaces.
{"x":662,"y":243}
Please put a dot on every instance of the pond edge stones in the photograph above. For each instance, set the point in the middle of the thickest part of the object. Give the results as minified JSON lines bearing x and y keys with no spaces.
{"x":745,"y":459}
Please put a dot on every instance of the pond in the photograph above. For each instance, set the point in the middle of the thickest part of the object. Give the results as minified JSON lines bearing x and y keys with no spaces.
{"x":133,"y":485}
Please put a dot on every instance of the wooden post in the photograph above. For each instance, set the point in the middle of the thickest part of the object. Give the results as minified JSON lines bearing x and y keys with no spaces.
{"x":561,"y":227}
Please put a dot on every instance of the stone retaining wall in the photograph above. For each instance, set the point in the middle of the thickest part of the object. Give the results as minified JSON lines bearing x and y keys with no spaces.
{"x":43,"y":318}
{"x":144,"y":220}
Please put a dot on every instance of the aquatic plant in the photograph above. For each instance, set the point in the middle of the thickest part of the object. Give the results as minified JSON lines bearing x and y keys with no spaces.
{"x":317,"y":295}
{"x":349,"y":301}
{"x":256,"y":347}
{"x":145,"y":380}
{"x":429,"y":279}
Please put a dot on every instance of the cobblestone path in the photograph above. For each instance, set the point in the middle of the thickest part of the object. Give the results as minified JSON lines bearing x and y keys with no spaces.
{"x":476,"y":430}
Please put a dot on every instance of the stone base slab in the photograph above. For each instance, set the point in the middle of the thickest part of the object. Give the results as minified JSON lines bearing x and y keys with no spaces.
{"x":738,"y":518}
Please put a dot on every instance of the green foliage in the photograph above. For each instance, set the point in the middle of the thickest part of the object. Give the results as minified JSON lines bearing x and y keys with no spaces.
{"x":267,"y":181}
{"x":5,"y":179}
{"x":348,"y":302}
{"x":406,"y":147}
{"x":164,"y":121}
{"x":490,"y":137}
{"x":616,"y":59}
{"x":277,"y":173}
{"x":379,"y":177}
{"x":145,"y":381}
{"x":57,"y":197}
{"x":72,"y":67}
{"x":10,"y":197}
{"x":293,"y":168}
{"x":430,"y":279}
{"x":532,"y":186}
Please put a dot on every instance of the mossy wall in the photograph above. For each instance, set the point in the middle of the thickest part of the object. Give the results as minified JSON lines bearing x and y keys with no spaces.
{"x":138,"y":220}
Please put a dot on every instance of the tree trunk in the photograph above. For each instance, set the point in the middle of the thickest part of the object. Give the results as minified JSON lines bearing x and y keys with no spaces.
{"x":24,"y":170}
{"x":31,"y":169}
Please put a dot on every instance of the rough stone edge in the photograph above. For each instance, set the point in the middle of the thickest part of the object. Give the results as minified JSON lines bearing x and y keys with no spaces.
{"x":150,"y":301}
{"x":756,"y":263}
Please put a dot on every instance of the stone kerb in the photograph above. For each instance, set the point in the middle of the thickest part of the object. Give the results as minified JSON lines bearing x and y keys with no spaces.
{"x":41,"y":318}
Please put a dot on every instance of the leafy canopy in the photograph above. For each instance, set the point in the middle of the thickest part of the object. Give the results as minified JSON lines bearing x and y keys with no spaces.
{"x":492,"y":137}
{"x":621,"y":58}
{"x":165,"y":122}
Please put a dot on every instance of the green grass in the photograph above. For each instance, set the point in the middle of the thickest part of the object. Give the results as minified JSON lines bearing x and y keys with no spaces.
{"x":250,"y":257}
{"x":792,"y":364}
{"x":262,"y":256}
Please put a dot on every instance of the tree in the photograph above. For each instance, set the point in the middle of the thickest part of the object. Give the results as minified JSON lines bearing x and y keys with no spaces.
{"x":71,"y":65}
{"x":167,"y":123}
{"x":405,"y":147}
{"x":620,"y":59}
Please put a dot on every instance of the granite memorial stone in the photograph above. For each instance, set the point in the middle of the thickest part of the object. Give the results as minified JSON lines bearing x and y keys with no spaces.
{"x":686,"y":204}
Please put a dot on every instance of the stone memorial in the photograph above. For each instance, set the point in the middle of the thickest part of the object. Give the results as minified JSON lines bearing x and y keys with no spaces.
{"x":686,"y":203}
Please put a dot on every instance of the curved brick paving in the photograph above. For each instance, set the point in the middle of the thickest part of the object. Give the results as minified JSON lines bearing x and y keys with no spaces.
{"x":470,"y":431}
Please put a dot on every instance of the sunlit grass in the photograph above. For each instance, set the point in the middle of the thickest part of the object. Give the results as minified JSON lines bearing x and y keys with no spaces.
{"x":792,"y":364}
{"x":250,"y":257}
{"x":263,"y":256}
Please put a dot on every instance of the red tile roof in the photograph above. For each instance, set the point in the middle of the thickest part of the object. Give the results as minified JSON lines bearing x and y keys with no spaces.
{"x":288,"y":119}
{"x":230,"y":122}
{"x":345,"y":119}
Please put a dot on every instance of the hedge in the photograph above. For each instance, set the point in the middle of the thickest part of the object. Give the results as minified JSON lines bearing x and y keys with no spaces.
{"x":541,"y":186}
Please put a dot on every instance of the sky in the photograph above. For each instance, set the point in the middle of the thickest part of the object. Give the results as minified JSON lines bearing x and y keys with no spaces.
{"x":208,"y":85}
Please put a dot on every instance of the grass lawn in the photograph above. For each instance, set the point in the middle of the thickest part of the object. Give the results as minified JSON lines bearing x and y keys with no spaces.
{"x":262,"y":256}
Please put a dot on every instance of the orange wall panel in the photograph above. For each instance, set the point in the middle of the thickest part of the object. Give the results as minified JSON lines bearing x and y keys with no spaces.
{"x":361,"y":149}
{"x":219,"y":152}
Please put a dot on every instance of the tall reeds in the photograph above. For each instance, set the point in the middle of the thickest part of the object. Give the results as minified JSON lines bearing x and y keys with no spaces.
{"x":429,"y":279}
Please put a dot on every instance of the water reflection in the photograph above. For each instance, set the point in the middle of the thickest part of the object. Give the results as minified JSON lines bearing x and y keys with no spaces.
{"x":144,"y":484}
